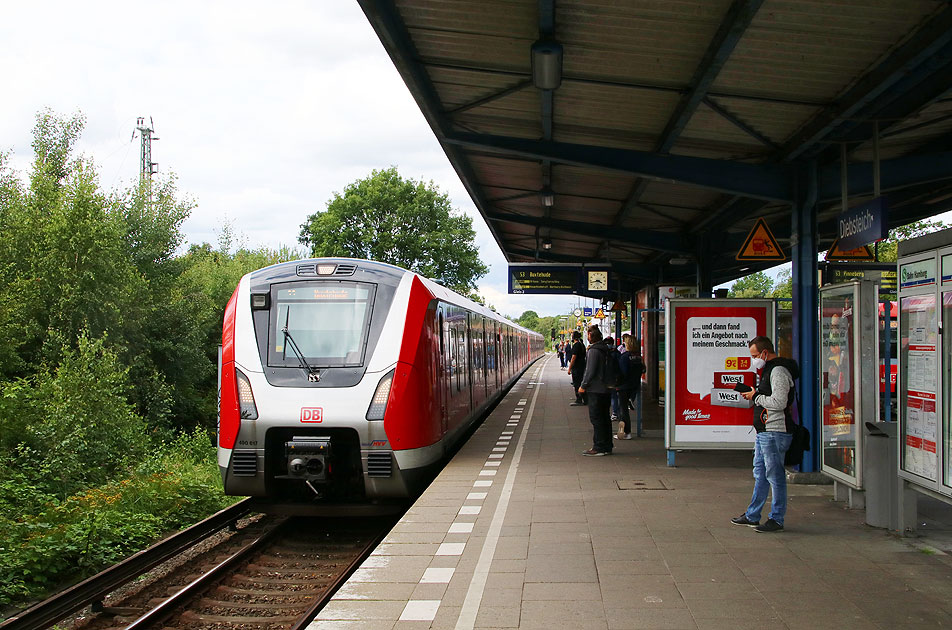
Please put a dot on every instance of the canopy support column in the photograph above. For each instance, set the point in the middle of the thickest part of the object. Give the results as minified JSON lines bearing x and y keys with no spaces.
{"x":805,"y":306}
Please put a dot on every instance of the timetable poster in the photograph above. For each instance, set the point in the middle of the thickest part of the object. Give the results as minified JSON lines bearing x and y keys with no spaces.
{"x":712,"y":356}
{"x":920,"y":371}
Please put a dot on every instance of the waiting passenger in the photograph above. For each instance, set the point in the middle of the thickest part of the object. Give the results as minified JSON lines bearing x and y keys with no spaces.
{"x":599,"y":397}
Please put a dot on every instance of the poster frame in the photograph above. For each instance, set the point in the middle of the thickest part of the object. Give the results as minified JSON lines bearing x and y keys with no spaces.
{"x":864,"y":374}
{"x":671,"y":366}
{"x":934,"y":289}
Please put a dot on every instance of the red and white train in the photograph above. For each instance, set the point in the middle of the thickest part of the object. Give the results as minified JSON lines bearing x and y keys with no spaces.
{"x":348,"y":381}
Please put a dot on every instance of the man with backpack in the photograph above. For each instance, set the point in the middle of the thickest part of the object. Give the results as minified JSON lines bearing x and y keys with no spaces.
{"x":602,"y":374}
{"x":632,"y":368}
{"x":577,"y":368}
{"x":773,"y":420}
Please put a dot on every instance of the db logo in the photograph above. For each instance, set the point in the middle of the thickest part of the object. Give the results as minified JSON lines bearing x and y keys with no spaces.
{"x":312,"y":414}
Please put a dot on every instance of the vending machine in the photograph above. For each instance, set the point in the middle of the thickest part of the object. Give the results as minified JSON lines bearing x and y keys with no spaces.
{"x":849,"y":392}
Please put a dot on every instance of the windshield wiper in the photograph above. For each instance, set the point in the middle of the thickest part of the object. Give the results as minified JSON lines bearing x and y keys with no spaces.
{"x":289,"y":342}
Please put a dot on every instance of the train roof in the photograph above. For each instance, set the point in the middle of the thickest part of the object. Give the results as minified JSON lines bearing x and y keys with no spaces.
{"x":371,"y":271}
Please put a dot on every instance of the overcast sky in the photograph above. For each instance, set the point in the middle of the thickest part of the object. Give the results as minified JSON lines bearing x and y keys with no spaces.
{"x":262,"y":110}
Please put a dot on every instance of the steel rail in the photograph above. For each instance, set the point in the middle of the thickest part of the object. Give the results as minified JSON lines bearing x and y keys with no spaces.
{"x":93,"y":589}
{"x":322,"y":601}
{"x":167,"y":608}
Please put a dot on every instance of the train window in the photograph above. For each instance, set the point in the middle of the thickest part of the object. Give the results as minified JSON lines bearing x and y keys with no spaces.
{"x":327,"y":323}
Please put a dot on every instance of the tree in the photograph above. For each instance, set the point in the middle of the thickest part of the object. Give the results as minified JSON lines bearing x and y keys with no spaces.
{"x":757,"y":284}
{"x":783,"y":288}
{"x":529,"y":319}
{"x":889,"y":247}
{"x":398,"y":221}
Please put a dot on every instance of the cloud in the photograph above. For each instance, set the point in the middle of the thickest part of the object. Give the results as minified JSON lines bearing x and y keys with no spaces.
{"x":261,"y":111}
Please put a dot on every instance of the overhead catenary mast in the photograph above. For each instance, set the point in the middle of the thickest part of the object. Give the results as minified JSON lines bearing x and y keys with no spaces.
{"x":147,"y":168}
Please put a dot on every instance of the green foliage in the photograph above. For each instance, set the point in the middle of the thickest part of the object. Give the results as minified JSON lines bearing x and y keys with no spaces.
{"x":529,"y":319}
{"x":783,"y":287}
{"x":74,"y":425}
{"x":46,"y":542}
{"x":757,"y":284}
{"x":401,"y":222}
{"x":889,"y":247}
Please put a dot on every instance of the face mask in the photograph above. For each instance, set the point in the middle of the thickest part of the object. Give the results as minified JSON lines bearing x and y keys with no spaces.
{"x":757,"y":363}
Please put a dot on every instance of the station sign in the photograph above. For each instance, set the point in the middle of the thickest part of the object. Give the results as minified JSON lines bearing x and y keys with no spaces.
{"x":917,"y":274}
{"x":865,"y":223}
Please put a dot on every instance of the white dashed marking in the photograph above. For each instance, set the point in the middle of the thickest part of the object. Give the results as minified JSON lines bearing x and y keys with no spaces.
{"x":420,"y":610}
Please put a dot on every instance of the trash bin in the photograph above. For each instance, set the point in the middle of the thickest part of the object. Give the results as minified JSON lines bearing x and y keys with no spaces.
{"x":881,"y":474}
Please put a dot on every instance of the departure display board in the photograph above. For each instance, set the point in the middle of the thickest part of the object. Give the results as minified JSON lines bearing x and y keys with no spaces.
{"x":555,"y":279}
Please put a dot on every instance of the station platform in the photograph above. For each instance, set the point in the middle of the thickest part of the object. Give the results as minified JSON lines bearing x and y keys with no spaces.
{"x":522,"y":531}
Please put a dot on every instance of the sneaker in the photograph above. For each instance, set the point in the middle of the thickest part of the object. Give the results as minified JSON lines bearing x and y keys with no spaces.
{"x":743,"y":520}
{"x":623,"y":436}
{"x":593,"y":453}
{"x":577,"y":404}
{"x":769,"y":527}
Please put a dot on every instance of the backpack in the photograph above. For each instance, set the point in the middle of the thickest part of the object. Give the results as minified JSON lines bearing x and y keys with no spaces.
{"x":611,"y":372}
{"x":800,"y":441}
{"x":636,"y":371}
{"x":799,"y":444}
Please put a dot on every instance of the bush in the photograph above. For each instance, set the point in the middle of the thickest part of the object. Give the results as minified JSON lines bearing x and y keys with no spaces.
{"x":73,"y":427}
{"x":64,"y":541}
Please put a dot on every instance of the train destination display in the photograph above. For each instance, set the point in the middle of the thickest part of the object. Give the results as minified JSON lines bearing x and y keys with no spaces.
{"x":557,"y":279}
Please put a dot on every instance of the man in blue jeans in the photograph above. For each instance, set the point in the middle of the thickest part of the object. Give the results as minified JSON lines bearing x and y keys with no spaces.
{"x":773,"y":420}
{"x":599,"y":395}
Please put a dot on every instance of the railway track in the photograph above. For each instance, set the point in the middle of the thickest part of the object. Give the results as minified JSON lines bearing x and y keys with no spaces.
{"x":272,"y":573}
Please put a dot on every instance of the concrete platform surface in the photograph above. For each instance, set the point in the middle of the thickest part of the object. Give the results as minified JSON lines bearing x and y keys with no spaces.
{"x":521,"y":531}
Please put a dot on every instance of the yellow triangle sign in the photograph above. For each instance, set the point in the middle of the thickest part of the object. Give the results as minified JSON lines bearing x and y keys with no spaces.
{"x":860,"y":253}
{"x":760,"y":245}
{"x":599,"y":314}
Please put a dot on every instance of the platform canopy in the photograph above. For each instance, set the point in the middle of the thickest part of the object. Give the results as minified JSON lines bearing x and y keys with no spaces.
{"x":670,"y":127}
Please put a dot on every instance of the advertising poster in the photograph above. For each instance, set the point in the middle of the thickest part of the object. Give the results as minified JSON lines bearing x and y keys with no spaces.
{"x":710,"y":346}
{"x":837,"y":356}
{"x":919,"y":338}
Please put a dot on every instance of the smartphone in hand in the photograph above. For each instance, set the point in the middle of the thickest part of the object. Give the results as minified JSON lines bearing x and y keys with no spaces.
{"x":742,"y":388}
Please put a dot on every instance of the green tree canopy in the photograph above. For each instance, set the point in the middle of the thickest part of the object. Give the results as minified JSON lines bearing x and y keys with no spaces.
{"x":757,"y":284}
{"x":387,"y":218}
{"x":889,"y":247}
{"x":529,"y":319}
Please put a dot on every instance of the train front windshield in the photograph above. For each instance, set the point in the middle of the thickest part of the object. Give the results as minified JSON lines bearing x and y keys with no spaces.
{"x":328,"y":321}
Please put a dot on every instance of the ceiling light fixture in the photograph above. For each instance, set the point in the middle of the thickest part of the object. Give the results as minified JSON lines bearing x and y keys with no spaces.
{"x":546,"y":65}
{"x":546,"y":244}
{"x":548,"y":197}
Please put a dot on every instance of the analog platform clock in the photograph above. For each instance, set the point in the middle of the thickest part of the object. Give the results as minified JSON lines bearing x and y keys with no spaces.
{"x":598,"y":281}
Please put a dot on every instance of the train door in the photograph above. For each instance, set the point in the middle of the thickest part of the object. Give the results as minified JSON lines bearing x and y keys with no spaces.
{"x":468,"y":338}
{"x":496,"y":371}
{"x":486,"y":332}
{"x":443,"y":372}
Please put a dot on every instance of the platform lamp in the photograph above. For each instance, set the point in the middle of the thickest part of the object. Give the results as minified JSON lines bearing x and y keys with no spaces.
{"x":546,"y":64}
{"x":548,"y":197}
{"x":547,"y":244}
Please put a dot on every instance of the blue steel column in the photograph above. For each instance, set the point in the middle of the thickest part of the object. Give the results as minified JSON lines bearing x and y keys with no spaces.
{"x":806,"y":307}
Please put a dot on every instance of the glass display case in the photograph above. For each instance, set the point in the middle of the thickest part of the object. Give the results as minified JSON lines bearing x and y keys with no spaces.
{"x":921,"y":296}
{"x":849,"y":393}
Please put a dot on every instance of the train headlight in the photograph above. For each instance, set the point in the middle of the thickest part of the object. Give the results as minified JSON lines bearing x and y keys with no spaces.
{"x":246,"y":399}
{"x":378,"y":405}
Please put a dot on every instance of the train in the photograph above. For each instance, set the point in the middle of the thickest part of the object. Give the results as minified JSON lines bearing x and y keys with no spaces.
{"x":347,"y":382}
